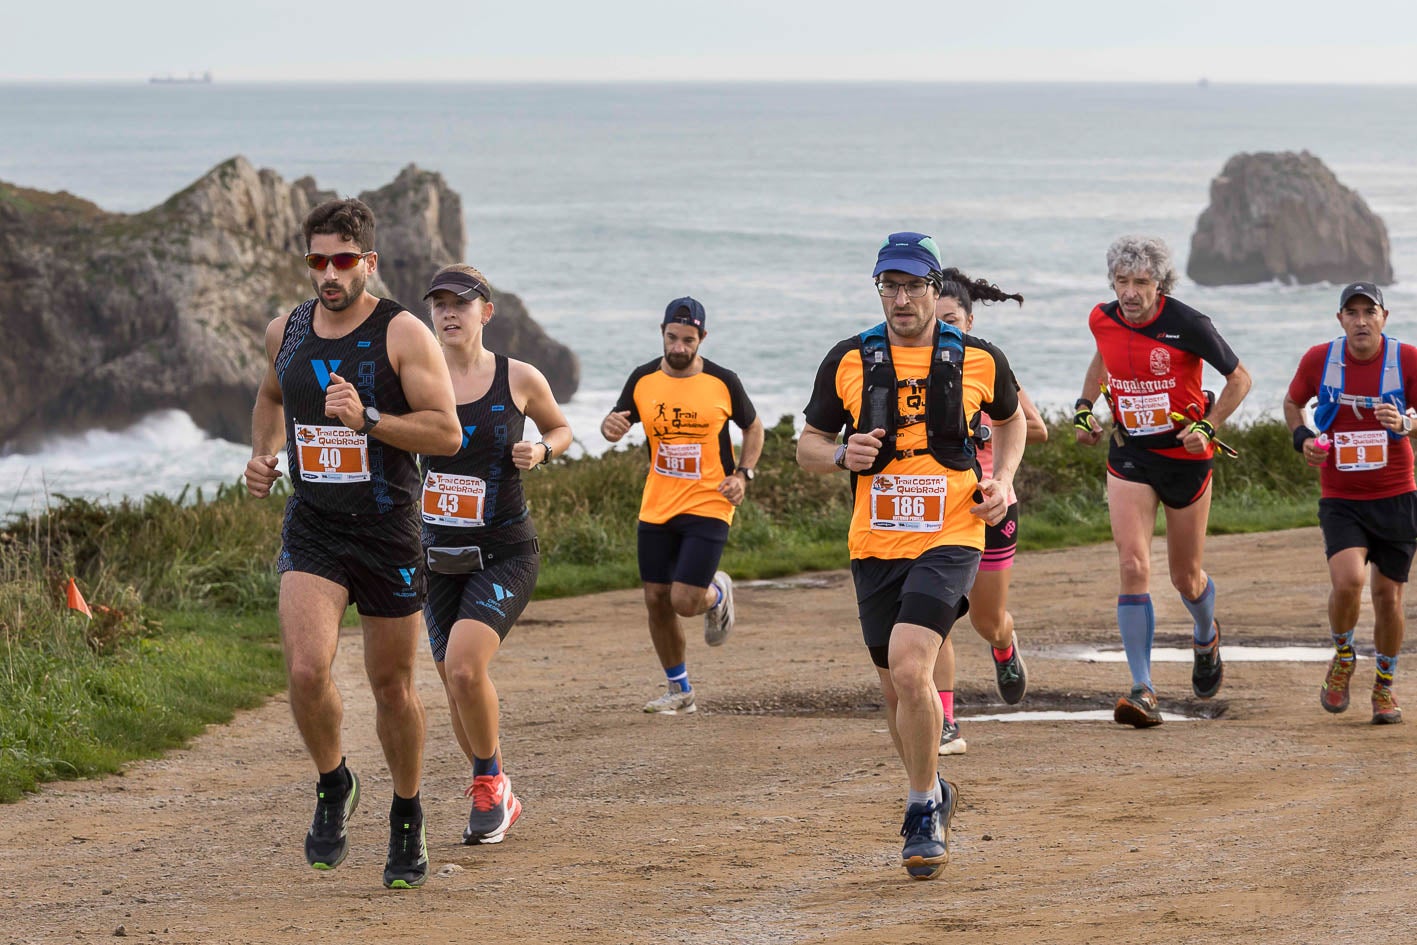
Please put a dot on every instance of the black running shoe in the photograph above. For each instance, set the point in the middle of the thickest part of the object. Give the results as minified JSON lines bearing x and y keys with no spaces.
{"x":407,"y":866}
{"x":1208,"y":671}
{"x":327,"y":843}
{"x":1011,"y":676}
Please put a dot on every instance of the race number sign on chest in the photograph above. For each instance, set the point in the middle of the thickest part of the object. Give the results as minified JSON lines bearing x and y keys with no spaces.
{"x":453,"y":500}
{"x":1358,"y":450}
{"x":1144,"y":414}
{"x":678,"y":460}
{"x":331,"y":454}
{"x":908,"y":503}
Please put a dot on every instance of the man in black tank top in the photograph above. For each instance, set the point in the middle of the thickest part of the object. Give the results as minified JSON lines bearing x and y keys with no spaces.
{"x":354,"y":387}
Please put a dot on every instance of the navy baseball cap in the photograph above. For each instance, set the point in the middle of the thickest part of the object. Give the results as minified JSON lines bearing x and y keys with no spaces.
{"x":685,"y":311}
{"x":1361,"y":288}
{"x":914,"y":253}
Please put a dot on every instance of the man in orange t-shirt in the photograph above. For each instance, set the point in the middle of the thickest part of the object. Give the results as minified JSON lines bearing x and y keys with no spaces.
{"x":685,"y":402}
{"x":917,"y":526}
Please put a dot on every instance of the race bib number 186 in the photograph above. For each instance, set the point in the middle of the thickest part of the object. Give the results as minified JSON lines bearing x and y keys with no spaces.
{"x":908,"y":503}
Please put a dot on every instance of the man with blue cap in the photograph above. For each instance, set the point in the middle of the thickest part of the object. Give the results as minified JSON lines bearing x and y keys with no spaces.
{"x":1365,"y":382}
{"x":694,"y":483}
{"x":904,"y":392}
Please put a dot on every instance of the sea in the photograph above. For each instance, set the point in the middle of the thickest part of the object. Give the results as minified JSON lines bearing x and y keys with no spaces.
{"x":598,"y":203}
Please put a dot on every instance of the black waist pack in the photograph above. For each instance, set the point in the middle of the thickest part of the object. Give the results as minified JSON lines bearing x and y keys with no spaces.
{"x":470,"y":558}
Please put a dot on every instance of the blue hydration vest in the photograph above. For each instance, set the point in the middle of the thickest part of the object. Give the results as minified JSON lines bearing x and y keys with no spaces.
{"x":946,"y":432}
{"x":1331,"y":395}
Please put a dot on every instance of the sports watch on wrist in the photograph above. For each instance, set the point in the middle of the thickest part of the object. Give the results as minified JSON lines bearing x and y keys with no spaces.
{"x":371,"y":419}
{"x":840,"y":458}
{"x":747,"y":472}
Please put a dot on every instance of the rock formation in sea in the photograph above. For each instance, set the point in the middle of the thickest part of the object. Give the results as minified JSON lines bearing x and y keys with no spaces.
{"x":107,"y":316}
{"x":1286,"y":216}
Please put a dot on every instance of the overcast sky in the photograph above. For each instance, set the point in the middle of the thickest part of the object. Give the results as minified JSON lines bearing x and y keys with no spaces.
{"x":991,"y":40}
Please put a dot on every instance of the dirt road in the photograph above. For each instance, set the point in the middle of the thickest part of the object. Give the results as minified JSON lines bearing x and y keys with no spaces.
{"x":772,"y":814}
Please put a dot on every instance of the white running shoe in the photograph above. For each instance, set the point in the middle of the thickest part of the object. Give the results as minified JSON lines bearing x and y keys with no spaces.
{"x":951,"y":741}
{"x":718,"y":621}
{"x":674,"y":702}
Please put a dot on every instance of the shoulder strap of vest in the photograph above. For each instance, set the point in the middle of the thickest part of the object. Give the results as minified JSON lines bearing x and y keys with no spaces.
{"x":1330,"y":386}
{"x":1331,"y":395}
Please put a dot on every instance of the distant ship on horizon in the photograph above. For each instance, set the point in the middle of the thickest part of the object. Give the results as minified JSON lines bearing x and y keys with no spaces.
{"x":190,"y":78}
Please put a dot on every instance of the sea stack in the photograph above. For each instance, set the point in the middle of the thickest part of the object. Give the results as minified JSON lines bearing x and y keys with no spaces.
{"x":1282,"y":215}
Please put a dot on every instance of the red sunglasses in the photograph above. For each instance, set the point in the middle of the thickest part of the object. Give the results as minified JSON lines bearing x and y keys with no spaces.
{"x":342,"y":261}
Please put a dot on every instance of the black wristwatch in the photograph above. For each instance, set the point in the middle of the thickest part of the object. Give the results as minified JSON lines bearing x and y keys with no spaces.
{"x":371,"y":419}
{"x":747,"y":472}
{"x":546,"y":458}
{"x":840,"y":458}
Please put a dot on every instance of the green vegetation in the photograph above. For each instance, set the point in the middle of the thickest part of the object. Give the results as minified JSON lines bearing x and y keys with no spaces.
{"x":186,"y":631}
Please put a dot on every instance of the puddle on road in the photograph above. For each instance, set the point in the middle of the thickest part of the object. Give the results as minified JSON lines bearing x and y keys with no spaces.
{"x":1230,"y":653}
{"x":801,"y":582}
{"x":1082,"y":715}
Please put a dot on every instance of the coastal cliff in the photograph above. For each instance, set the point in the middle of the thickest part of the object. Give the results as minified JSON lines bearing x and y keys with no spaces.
{"x":108,"y":317}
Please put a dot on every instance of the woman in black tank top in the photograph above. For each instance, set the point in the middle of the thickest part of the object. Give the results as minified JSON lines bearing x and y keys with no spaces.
{"x":474,"y":513}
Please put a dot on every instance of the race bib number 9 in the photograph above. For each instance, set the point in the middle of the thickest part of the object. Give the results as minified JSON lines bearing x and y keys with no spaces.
{"x":908,"y":503}
{"x":1359,"y":450}
{"x":678,"y":460}
{"x":331,"y":454}
{"x":1144,"y":414}
{"x":453,"y":500}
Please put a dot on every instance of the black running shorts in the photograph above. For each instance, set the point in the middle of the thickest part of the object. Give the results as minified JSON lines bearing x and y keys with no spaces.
{"x":377,"y":558}
{"x":1176,"y":482}
{"x":929,"y":591}
{"x":495,"y":596}
{"x":1387,"y":528}
{"x":683,"y":550}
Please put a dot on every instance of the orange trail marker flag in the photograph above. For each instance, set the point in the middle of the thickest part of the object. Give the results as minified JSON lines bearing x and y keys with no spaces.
{"x":76,"y":600}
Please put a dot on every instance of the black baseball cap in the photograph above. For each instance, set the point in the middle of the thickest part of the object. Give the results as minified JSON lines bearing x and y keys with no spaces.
{"x":1361,"y":288}
{"x":685,"y":311}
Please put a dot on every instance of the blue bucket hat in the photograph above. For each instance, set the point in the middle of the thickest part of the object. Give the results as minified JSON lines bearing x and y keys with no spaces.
{"x":914,"y":253}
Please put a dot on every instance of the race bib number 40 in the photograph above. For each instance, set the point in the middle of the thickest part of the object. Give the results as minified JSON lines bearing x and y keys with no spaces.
{"x":331,"y":454}
{"x":678,"y":460}
{"x":1358,"y":450}
{"x":453,"y":500}
{"x":1144,"y":414}
{"x":908,"y":503}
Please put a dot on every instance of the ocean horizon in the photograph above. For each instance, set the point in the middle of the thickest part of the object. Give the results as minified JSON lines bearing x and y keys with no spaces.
{"x":597,"y":202}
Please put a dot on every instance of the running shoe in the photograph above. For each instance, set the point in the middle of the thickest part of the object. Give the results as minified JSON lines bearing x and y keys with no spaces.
{"x":494,"y":809}
{"x":1208,"y":671}
{"x":1138,"y":709}
{"x":407,"y":865}
{"x":951,"y":741}
{"x":327,"y":843}
{"x":674,"y":702}
{"x":1011,"y":676}
{"x":1385,"y":708}
{"x":927,"y":834}
{"x":1333,"y":694}
{"x":718,"y":621}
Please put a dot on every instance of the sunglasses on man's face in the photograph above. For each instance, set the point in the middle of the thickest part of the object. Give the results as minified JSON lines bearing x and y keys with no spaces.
{"x":342,"y":261}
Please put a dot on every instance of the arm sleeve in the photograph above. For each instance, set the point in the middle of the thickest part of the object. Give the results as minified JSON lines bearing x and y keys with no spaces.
{"x":825,"y":411}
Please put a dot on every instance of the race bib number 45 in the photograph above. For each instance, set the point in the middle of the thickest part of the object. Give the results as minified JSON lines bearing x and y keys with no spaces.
{"x":908,"y":503}
{"x":453,"y":500}
{"x":678,"y":460}
{"x":331,"y":454}
{"x":1144,"y":414}
{"x":1358,"y":450}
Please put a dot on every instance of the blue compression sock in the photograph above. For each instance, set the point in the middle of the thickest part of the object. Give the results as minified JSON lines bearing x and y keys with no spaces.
{"x":1203,"y":612}
{"x":1343,"y":643}
{"x":481,"y":766}
{"x":1137,"y":621}
{"x":678,"y":677}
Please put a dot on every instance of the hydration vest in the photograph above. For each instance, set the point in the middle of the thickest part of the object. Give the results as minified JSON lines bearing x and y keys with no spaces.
{"x":946,"y":433}
{"x":1331,"y":395}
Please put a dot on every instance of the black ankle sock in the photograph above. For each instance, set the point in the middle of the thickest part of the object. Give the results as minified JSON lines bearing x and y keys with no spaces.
{"x":406,"y":808}
{"x":337,"y":781}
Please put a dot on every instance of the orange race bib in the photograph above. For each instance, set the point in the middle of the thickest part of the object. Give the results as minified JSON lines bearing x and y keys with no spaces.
{"x":678,"y":460}
{"x":453,"y":500}
{"x":1359,"y":450}
{"x":1144,"y":414}
{"x":908,"y":503}
{"x":331,"y":454}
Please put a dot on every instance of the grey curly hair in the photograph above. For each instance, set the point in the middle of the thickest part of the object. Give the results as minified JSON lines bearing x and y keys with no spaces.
{"x":1142,"y":254}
